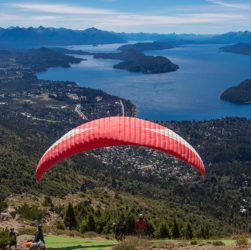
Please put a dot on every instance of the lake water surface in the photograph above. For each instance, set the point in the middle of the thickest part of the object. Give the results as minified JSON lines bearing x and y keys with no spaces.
{"x":191,"y":93}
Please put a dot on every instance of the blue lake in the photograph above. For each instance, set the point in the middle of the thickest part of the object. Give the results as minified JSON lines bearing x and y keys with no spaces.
{"x":191,"y":93}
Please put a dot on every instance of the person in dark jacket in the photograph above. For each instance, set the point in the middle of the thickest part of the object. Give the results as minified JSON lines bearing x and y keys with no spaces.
{"x":13,"y":237}
{"x":119,"y":230}
{"x":39,"y":236}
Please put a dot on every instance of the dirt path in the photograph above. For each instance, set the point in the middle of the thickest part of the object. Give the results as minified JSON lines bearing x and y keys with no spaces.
{"x":206,"y":247}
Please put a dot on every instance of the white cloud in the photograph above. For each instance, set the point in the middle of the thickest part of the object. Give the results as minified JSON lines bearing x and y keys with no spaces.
{"x":178,"y":19}
{"x":241,"y":6}
{"x":80,"y":17}
{"x":61,"y":9}
{"x":122,"y":18}
{"x":22,"y":20}
{"x":8,"y":17}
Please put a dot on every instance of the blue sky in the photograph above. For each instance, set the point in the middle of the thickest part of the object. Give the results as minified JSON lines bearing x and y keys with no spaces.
{"x":162,"y":16}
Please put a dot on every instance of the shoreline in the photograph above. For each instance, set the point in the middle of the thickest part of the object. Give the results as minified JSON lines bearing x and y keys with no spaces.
{"x":172,"y":115}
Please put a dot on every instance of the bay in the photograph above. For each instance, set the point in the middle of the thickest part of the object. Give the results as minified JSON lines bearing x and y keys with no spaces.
{"x":191,"y":93}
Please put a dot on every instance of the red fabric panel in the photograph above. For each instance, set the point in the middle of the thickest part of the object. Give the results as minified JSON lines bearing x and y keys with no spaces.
{"x":118,"y":131}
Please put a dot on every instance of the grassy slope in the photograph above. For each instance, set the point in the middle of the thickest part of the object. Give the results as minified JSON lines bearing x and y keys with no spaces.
{"x":108,"y":199}
{"x":22,"y":146}
{"x":68,"y":243}
{"x":65,"y":243}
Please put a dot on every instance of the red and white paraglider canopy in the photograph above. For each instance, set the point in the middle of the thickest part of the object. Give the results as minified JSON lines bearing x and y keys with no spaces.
{"x":119,"y":131}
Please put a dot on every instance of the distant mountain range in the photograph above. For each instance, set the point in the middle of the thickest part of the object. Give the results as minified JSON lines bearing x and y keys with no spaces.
{"x":227,"y":38}
{"x":159,"y":37}
{"x":16,"y":36}
{"x":232,"y":37}
{"x":42,"y":36}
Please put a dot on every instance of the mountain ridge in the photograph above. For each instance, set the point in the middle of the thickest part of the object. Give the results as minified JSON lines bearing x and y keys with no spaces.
{"x":16,"y":36}
{"x":41,"y":36}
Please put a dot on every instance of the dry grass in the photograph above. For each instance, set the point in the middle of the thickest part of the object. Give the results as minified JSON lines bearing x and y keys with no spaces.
{"x":211,"y":247}
{"x":241,"y":239}
{"x":133,"y":243}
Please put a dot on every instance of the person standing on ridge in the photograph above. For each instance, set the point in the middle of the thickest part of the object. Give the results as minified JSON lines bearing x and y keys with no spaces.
{"x":13,"y":237}
{"x":141,"y":225}
{"x":39,"y":236}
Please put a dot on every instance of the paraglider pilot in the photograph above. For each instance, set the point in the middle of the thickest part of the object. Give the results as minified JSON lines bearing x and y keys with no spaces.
{"x":39,"y":236}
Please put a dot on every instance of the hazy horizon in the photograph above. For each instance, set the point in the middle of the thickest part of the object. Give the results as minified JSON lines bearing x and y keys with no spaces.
{"x":132,"y":32}
{"x":160,"y":16}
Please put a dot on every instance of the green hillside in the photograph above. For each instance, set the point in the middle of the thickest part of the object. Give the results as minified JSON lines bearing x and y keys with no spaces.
{"x":220,"y":202}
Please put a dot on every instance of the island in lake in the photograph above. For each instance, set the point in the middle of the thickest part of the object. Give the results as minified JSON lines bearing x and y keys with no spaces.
{"x":240,"y":94}
{"x":239,"y":48}
{"x":145,"y":46}
{"x":132,"y":59}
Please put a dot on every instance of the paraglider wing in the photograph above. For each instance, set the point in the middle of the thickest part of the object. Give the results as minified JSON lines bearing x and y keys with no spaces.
{"x":118,"y":131}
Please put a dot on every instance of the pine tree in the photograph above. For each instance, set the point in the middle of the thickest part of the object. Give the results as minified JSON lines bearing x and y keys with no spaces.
{"x":130,"y":223}
{"x":189,"y":232}
{"x":204,"y":232}
{"x":4,"y":238}
{"x":114,"y":183}
{"x":164,"y":231}
{"x":176,"y":229}
{"x":70,"y":218}
{"x":91,"y":224}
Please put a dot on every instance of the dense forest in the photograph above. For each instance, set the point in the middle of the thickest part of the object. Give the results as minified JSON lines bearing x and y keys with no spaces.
{"x":223,"y":199}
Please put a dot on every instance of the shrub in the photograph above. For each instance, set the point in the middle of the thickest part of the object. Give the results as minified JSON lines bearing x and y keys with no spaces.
{"x":204,"y":232}
{"x":164,"y":231}
{"x":90,"y":235}
{"x":54,"y":231}
{"x":3,"y":205}
{"x":218,"y":243}
{"x":125,"y":246}
{"x":189,"y":232}
{"x":60,"y":225}
{"x":27,"y":230}
{"x":194,"y":242}
{"x":70,"y":220}
{"x":176,"y":229}
{"x":47,"y":202}
{"x":89,"y":225}
{"x":242,"y":241}
{"x":4,"y":239}
{"x":132,"y":244}
{"x":30,"y":213}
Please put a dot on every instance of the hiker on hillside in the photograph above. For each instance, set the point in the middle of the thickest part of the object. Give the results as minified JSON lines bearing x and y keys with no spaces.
{"x":141,"y":225}
{"x":39,"y":236}
{"x":38,"y":243}
{"x":13,"y":237}
{"x":119,"y":230}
